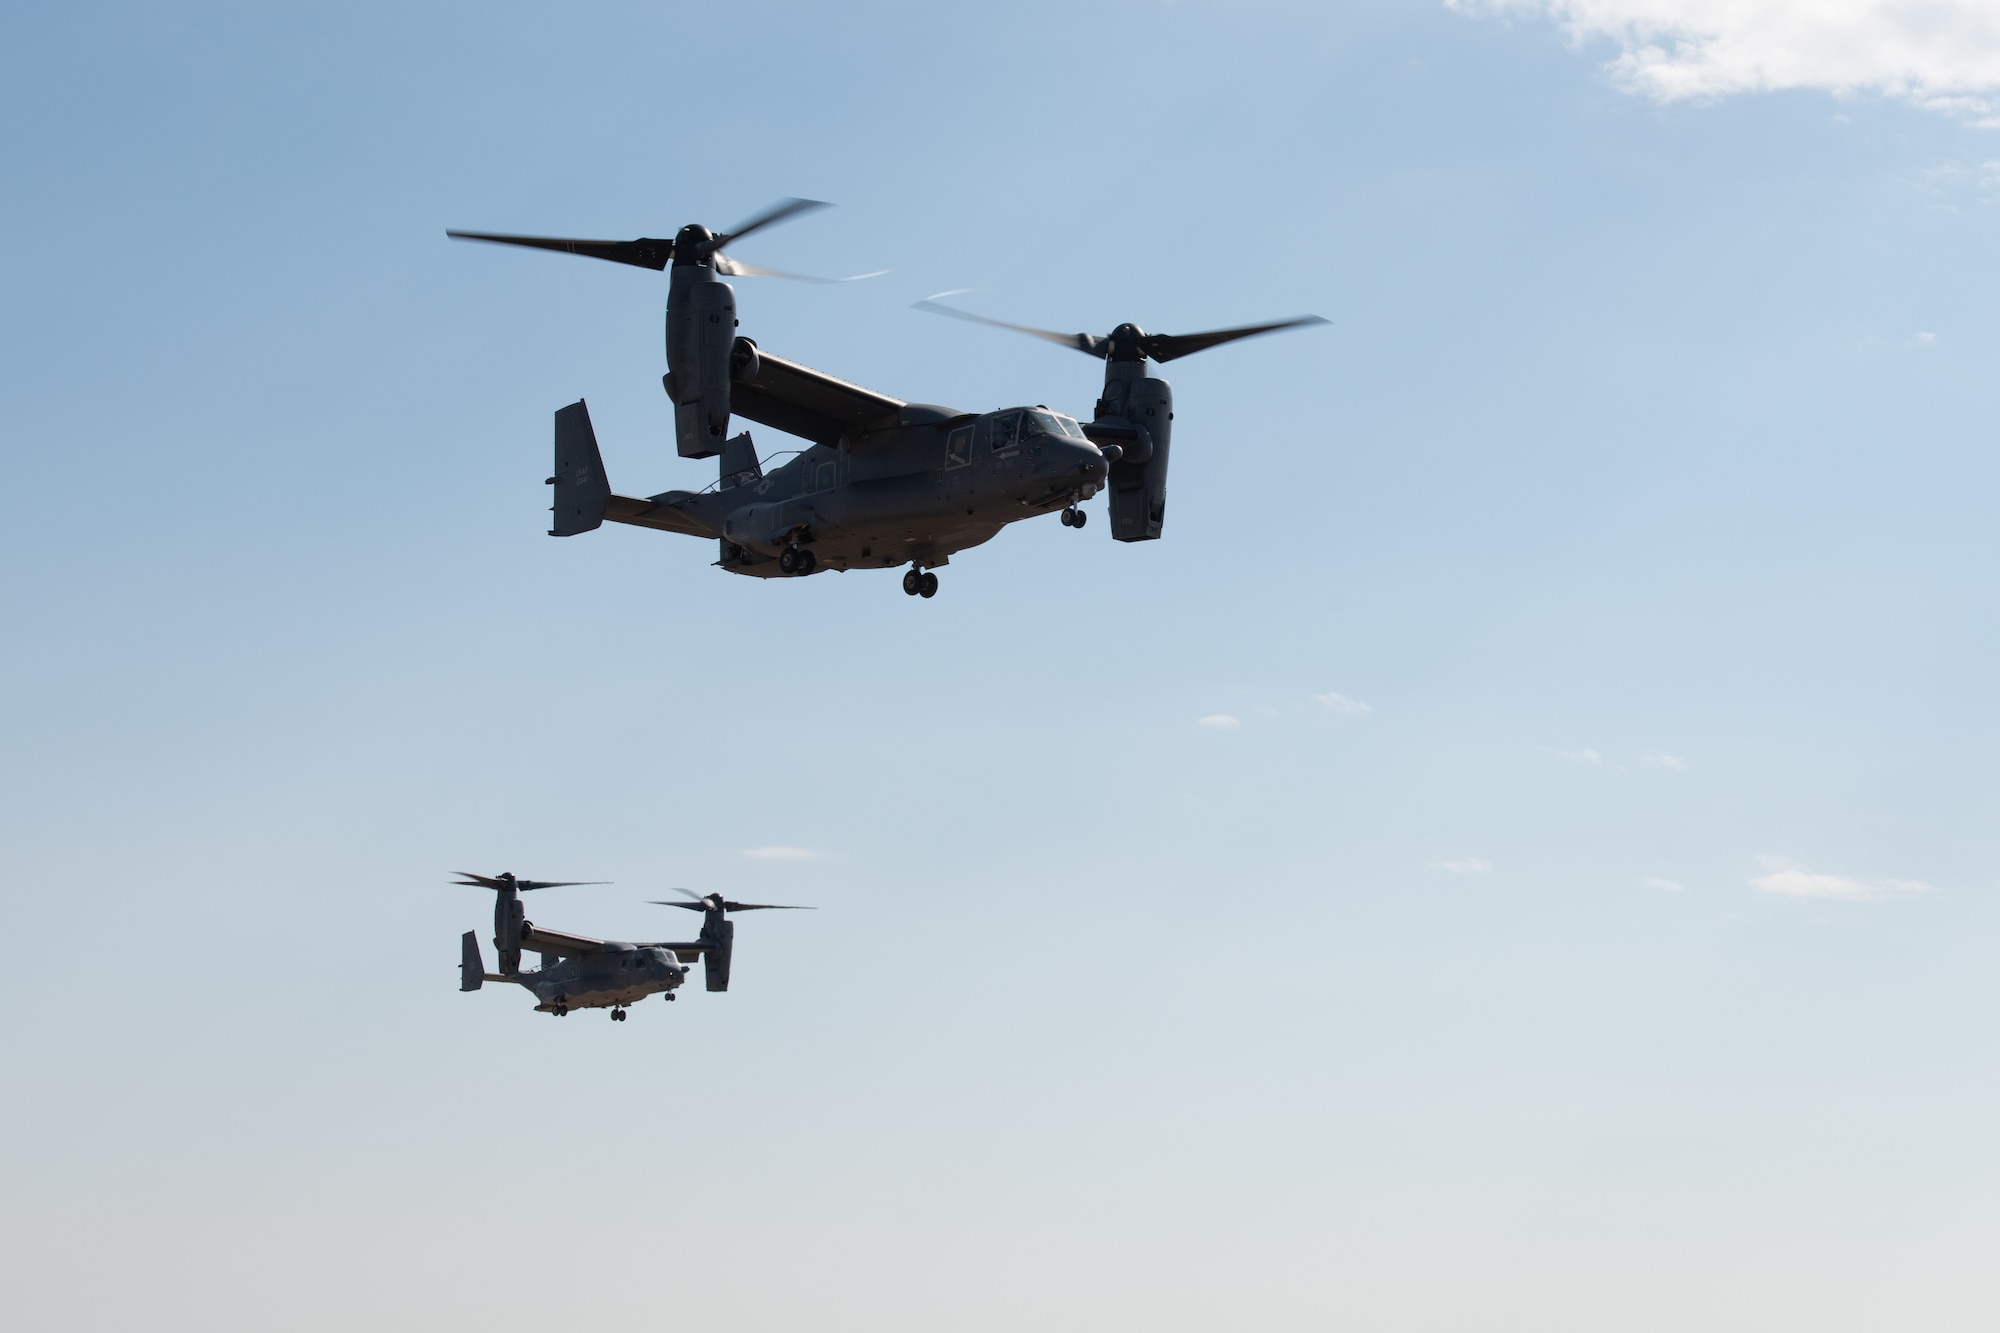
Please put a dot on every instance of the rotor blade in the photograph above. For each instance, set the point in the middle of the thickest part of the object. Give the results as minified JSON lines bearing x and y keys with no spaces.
{"x":738,"y":268}
{"x":1082,"y":342}
{"x":642,"y":253}
{"x":555,"y":883}
{"x":702,"y":905}
{"x":776,"y":213}
{"x":1168,"y":346}
{"x":472,"y":881}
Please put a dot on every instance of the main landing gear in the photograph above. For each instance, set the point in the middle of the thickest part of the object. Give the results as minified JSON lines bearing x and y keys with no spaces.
{"x":797,"y":560}
{"x":920,"y":583}
{"x":1074,"y":517}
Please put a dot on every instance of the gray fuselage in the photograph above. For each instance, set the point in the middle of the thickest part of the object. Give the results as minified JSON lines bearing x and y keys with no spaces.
{"x":936,"y":483}
{"x":619,"y":976}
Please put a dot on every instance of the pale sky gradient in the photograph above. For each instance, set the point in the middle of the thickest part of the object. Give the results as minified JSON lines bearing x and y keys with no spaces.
{"x":1519,"y":854}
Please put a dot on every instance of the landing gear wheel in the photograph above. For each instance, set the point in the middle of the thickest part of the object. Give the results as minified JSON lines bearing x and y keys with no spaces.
{"x":788,"y":560}
{"x":1075,"y":517}
{"x":913,"y":582}
{"x":928,"y":586}
{"x":618,"y":1015}
{"x":807,"y":562}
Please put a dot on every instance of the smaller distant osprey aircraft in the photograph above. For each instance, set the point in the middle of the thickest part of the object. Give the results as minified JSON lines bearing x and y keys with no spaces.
{"x":882,"y":482}
{"x":578,"y":972}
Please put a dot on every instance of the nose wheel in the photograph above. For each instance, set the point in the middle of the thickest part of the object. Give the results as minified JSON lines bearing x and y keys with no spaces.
{"x":1074,"y":517}
{"x":920,"y":583}
{"x":618,"y":1015}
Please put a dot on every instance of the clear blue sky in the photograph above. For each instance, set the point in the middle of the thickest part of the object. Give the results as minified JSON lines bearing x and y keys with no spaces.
{"x":1519,"y":854}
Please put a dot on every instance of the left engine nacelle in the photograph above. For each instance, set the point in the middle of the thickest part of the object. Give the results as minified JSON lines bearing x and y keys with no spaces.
{"x":701,"y":329}
{"x":510,"y":923}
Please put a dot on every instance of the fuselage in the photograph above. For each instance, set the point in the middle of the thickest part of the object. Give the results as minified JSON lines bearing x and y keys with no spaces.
{"x":607,"y":980}
{"x":936,"y":483}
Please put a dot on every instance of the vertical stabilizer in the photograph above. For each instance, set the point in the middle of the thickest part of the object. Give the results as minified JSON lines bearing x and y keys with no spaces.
{"x":581,"y":486}
{"x":739,"y":462}
{"x":471,"y":967}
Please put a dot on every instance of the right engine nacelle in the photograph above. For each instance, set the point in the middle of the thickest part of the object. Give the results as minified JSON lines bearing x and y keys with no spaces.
{"x":719,"y":934}
{"x":1138,"y":484}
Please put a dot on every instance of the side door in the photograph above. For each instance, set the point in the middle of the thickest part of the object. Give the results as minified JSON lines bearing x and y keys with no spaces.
{"x":956,"y":474}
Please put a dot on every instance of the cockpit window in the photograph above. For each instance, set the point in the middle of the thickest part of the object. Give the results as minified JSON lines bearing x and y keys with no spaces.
{"x":1052,"y":423}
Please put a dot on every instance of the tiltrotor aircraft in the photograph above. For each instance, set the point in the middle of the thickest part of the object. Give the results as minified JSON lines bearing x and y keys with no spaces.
{"x":579,"y":972}
{"x":884,"y":482}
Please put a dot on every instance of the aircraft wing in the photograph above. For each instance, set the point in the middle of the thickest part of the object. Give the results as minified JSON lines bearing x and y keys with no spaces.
{"x":798,"y":400}
{"x":686,"y":953}
{"x":557,"y":941}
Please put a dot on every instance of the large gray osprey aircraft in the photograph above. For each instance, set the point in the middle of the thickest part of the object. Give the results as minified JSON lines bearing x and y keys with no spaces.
{"x":884,"y":482}
{"x":579,"y":972}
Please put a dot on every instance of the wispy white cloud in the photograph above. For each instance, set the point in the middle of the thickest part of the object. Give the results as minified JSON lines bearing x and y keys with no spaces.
{"x":1655,"y":882}
{"x":1788,"y":879}
{"x":1943,"y":55}
{"x":1468,"y":865}
{"x":1219,"y":721}
{"x":1672,"y":763}
{"x":1591,"y":757}
{"x":1343,"y":705}
{"x":1957,"y":183}
{"x":784,"y":854}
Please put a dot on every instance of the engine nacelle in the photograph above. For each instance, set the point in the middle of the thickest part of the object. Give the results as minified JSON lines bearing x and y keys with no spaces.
{"x":509,"y":925}
{"x":719,"y":934}
{"x":701,"y":330}
{"x":1138,"y":479}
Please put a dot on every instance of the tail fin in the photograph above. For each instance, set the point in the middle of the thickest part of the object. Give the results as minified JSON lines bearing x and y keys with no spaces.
{"x":471,"y":967}
{"x":739,"y":462}
{"x":581,"y":486}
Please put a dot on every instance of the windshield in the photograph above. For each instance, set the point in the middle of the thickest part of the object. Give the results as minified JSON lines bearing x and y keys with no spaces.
{"x":1052,"y":423}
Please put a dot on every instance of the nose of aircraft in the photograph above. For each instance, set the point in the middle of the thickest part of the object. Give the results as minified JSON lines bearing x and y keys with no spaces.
{"x":1091,"y":461}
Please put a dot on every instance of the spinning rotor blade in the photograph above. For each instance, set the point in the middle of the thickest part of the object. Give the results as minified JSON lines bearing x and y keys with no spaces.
{"x":1159,"y":346}
{"x":770,"y":217}
{"x":702,"y":905}
{"x":1082,"y":342}
{"x":645,"y":252}
{"x":737,"y":268}
{"x":654,"y":253}
{"x":1169,"y":346}
{"x":473,"y":881}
